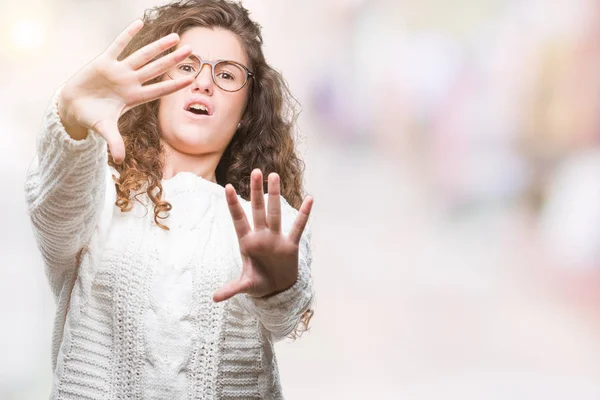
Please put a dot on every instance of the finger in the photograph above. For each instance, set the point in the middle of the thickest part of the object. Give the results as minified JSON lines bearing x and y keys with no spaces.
{"x":229,"y":290}
{"x":144,"y":55}
{"x":301,"y":220}
{"x":163,"y":88}
{"x":274,"y":204}
{"x":240,"y":222}
{"x":119,"y":44}
{"x":257,"y":198}
{"x":163,"y":64}
{"x":110,"y":132}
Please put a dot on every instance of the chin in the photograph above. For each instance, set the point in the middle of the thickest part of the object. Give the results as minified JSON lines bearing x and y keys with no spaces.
{"x":193,"y":138}
{"x":193,"y":143}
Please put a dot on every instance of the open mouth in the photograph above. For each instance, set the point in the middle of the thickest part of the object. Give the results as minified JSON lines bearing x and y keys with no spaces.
{"x":198,"y":109}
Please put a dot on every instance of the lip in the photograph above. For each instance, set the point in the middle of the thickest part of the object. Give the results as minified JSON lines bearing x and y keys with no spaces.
{"x":199,"y":100}
{"x":189,"y":114}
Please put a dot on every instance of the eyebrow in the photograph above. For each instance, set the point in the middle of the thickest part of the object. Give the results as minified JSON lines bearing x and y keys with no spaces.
{"x":219,"y":59}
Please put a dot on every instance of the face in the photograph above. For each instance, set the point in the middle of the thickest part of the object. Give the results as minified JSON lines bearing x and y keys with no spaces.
{"x":192,"y":134}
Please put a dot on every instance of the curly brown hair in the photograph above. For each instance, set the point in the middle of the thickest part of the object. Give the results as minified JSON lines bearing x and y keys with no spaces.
{"x":264,"y":139}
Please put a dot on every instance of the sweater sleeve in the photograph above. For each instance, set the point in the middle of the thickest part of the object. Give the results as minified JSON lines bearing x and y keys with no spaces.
{"x":281,"y":313}
{"x":64,"y":190}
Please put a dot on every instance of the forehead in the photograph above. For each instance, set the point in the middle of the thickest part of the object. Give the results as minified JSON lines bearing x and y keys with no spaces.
{"x":214,"y":44}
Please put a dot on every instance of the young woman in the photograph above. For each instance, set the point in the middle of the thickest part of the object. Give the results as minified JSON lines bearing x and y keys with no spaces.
{"x":173,"y":271}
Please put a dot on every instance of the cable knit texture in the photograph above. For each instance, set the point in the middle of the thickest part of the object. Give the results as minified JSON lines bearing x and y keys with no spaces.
{"x":134,"y":312}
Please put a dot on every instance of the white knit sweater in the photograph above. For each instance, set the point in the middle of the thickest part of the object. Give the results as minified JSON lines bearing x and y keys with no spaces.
{"x":135,"y":317}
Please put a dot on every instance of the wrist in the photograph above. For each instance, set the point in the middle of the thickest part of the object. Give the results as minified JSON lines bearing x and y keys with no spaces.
{"x":74,"y":129}
{"x":275,"y":293}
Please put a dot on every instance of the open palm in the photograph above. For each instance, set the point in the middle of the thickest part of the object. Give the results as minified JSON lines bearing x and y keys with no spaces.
{"x":270,"y":259}
{"x":106,"y":88}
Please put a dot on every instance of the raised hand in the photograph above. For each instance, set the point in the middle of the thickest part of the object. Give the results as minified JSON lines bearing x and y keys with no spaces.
{"x":106,"y":88}
{"x":270,"y":259}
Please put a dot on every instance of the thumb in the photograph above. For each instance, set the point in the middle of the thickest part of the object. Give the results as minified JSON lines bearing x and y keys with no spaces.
{"x":229,"y":290}
{"x":110,"y":132}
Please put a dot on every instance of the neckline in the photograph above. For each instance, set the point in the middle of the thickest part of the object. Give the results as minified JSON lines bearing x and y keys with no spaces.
{"x":184,"y":180}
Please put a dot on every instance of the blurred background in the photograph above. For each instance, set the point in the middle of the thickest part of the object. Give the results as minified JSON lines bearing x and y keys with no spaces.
{"x":453,"y":150}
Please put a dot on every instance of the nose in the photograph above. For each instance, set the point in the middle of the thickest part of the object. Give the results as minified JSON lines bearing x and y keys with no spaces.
{"x":203,"y":81}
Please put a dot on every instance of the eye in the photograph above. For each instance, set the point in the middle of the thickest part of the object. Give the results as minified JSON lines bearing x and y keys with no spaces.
{"x":186,"y":67}
{"x":225,"y":75}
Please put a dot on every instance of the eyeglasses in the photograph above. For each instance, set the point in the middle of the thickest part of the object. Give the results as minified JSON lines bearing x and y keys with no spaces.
{"x":230,"y":76}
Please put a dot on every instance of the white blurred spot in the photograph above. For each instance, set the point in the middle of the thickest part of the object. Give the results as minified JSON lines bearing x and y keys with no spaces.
{"x":27,"y":34}
{"x":569,"y":221}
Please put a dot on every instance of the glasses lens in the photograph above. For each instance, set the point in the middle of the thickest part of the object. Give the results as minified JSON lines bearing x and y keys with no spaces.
{"x":187,"y":67}
{"x":229,"y":76}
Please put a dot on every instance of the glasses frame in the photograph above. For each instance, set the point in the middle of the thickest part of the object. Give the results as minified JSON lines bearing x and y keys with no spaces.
{"x":249,"y":74}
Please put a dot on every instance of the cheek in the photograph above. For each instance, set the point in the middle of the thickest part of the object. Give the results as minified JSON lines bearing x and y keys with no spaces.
{"x":168,"y":102}
{"x":238,"y":105}
{"x":166,"y":109}
{"x":232,"y":115}
{"x":162,"y":115}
